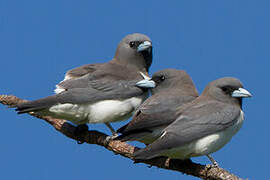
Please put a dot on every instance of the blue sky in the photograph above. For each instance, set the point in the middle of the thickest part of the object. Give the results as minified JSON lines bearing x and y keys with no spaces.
{"x":40,"y":40}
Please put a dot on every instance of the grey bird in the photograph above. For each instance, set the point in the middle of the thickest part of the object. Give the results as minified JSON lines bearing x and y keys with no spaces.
{"x":125,"y":55}
{"x":204,"y":126}
{"x":173,"y":88}
{"x":101,"y":93}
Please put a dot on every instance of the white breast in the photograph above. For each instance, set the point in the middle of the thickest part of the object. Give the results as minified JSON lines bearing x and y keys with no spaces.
{"x":100,"y":112}
{"x":208,"y":144}
{"x":113,"y":110}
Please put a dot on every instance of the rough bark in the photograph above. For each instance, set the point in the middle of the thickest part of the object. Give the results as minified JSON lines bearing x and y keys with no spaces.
{"x":94,"y":137}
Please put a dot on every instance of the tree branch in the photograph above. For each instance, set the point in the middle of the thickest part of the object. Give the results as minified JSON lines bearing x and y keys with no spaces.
{"x":94,"y":137}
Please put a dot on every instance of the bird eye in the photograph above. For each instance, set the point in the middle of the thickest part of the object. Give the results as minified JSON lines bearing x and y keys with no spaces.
{"x":224,"y":88}
{"x":132,"y":44}
{"x":227,"y":89}
{"x":162,"y":77}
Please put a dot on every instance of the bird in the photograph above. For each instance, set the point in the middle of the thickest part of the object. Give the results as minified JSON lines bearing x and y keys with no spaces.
{"x":173,"y":88}
{"x":100,"y":93}
{"x":203,"y":126}
{"x":123,"y":53}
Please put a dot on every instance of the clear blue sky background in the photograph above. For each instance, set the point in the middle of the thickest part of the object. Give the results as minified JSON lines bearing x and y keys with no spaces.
{"x":40,"y":40}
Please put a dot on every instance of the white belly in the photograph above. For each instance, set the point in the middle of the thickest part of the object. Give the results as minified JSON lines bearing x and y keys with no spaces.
{"x":100,"y":112}
{"x":113,"y":110}
{"x":207,"y":144}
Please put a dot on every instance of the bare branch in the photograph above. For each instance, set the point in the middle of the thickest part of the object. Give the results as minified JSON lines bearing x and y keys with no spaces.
{"x":94,"y":137}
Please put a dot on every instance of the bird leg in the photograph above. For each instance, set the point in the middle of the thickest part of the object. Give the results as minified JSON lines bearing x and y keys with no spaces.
{"x":111,"y":128}
{"x":214,"y":162}
{"x":114,"y":134}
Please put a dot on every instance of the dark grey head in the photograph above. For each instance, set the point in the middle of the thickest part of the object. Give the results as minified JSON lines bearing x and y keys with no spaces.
{"x":135,"y":50}
{"x":170,"y":80}
{"x":177,"y":80}
{"x":228,"y":89}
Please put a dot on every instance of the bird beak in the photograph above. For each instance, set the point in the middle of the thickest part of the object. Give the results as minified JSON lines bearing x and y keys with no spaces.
{"x":146,"y":83}
{"x":144,"y":46}
{"x":241,"y":92}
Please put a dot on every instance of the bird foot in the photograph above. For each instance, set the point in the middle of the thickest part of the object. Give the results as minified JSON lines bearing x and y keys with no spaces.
{"x":214,"y":162}
{"x":215,"y":165}
{"x":110,"y":138}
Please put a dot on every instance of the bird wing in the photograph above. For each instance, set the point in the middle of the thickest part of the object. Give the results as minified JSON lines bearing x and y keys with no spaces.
{"x":90,"y":88}
{"x":156,"y":111}
{"x":82,"y":70}
{"x":196,"y":122}
{"x":75,"y":74}
{"x":102,"y":77}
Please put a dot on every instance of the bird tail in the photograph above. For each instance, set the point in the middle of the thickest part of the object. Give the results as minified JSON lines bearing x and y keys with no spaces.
{"x":133,"y":135}
{"x":36,"y":105}
{"x":142,"y":154}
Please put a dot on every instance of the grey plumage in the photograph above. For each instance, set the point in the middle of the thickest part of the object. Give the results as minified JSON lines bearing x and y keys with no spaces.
{"x":204,"y":126}
{"x":125,"y":55}
{"x":82,"y":70}
{"x":173,"y":89}
{"x":113,"y":90}
{"x":91,"y":89}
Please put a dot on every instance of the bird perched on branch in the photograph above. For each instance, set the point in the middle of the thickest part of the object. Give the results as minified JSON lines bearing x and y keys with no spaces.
{"x":100,"y":93}
{"x":173,"y":88}
{"x":204,"y":126}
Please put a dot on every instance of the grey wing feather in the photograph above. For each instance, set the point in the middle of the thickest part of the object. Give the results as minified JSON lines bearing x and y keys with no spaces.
{"x":77,"y":73}
{"x":83,"y":70}
{"x":158,"y":110}
{"x":162,"y":102}
{"x":118,"y":90}
{"x":102,"y":82}
{"x":191,"y":125}
{"x":101,"y":78}
{"x":80,"y":82}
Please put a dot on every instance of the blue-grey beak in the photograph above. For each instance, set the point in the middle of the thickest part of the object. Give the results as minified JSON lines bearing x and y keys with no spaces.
{"x":241,"y":92}
{"x":144,"y":46}
{"x":146,"y":83}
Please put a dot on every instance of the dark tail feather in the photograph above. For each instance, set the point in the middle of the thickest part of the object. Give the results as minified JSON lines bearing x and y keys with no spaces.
{"x":133,"y":135}
{"x":27,"y":110}
{"x":36,"y":105}
{"x":121,"y":137}
{"x":139,"y":155}
{"x":145,"y":154}
{"x":122,"y":129}
{"x":123,"y":134}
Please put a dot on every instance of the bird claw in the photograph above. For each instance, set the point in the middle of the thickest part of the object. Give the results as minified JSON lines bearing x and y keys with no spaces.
{"x":215,"y":165}
{"x":110,"y":138}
